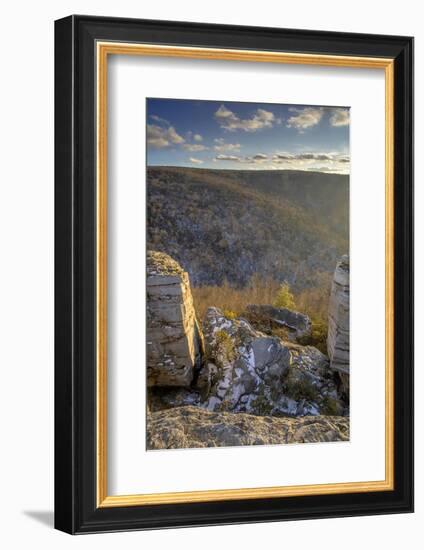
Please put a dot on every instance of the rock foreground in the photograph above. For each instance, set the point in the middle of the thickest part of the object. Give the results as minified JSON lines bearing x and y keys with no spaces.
{"x":246,"y":371}
{"x":193,"y":427}
{"x":233,"y":381}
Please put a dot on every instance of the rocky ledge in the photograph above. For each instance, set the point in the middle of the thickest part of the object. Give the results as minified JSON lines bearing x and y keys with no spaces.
{"x":193,"y":427}
{"x":174,"y":341}
{"x":266,"y":316}
{"x":338,"y":322}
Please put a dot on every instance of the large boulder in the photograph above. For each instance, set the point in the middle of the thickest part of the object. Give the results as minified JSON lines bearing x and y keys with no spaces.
{"x":338,"y":320}
{"x":174,"y":341}
{"x":298,"y":325}
{"x":248,"y":371}
{"x":186,"y":427}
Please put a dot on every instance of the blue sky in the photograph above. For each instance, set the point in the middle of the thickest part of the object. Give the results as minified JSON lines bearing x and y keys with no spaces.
{"x":225,"y":134}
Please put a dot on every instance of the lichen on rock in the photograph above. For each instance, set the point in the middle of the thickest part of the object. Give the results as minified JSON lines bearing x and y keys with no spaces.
{"x":261,"y":374}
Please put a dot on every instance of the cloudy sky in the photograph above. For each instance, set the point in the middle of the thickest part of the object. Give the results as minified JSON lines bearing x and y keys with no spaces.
{"x":264,"y":136}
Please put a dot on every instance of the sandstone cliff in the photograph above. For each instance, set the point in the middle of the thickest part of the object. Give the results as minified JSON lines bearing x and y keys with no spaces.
{"x":173,"y":336}
{"x":186,"y":427}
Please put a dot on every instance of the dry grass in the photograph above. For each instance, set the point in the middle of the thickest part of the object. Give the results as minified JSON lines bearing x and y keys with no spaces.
{"x":233,"y":301}
{"x":314,"y":301}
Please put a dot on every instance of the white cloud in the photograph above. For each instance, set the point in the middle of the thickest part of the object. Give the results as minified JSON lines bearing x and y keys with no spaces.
{"x":221,"y":146}
{"x":174,"y":137}
{"x":230,"y":121}
{"x":314,"y":156}
{"x":340,"y":117}
{"x":160,"y":138}
{"x":322,"y":162}
{"x":227,"y":158}
{"x":195,"y":161}
{"x":160,"y":119}
{"x":193,"y":147}
{"x":304,"y":118}
{"x":283,"y":156}
{"x":333,"y":157}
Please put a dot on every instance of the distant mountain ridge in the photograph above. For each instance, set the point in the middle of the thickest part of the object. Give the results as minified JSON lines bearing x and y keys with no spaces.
{"x":232,"y":224}
{"x":321,"y":194}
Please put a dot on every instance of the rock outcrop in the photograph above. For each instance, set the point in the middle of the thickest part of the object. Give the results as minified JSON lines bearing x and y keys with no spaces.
{"x":298,"y":325}
{"x":188,"y":427}
{"x":174,"y":339}
{"x":248,"y":371}
{"x":338,"y":321}
{"x":236,"y":383}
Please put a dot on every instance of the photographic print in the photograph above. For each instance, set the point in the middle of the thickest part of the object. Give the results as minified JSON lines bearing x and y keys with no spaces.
{"x":247,"y":273}
{"x":202,"y":274}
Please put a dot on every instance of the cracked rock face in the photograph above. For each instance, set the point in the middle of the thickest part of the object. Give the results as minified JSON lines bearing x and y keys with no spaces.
{"x":186,"y":427}
{"x":174,"y":340}
{"x":338,"y":320}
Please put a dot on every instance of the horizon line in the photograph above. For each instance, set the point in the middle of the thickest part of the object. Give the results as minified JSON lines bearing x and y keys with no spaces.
{"x":330,"y":173}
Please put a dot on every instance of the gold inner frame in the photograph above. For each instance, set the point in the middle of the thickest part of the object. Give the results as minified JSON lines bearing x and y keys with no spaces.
{"x":104,"y":49}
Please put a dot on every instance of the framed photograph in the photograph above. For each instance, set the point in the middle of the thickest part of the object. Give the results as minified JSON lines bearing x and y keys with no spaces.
{"x":234,"y":269}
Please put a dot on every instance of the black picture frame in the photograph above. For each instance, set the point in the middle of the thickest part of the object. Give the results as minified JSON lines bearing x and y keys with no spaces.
{"x":76,"y":510}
